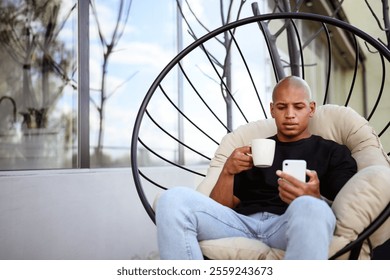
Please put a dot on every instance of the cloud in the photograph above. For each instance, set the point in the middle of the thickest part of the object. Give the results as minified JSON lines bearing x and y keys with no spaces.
{"x":143,"y":53}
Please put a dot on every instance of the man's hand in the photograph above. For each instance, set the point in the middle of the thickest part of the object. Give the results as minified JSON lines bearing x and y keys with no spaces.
{"x":290,"y":187}
{"x":239,"y":161}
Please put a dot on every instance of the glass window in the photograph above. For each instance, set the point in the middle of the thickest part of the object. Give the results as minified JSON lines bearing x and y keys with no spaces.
{"x":130,"y":43}
{"x":38,"y":84}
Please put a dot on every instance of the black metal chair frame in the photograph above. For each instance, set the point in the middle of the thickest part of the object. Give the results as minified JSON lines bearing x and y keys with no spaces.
{"x":384,"y":52}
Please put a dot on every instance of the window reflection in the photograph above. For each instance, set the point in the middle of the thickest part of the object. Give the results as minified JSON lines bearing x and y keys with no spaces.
{"x":130,"y":43}
{"x":37,"y":84}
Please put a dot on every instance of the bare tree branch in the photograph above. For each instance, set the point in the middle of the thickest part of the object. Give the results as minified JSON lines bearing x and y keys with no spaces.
{"x":122,"y":84}
{"x":194,"y":15}
{"x":293,"y":50}
{"x":271,"y":42}
{"x":108,"y":49}
{"x":315,"y":34}
{"x":226,"y":42}
{"x":375,"y":16}
{"x":385,"y":10}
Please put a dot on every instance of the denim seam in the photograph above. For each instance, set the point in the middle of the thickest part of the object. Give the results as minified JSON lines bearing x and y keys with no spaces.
{"x":242,"y":228}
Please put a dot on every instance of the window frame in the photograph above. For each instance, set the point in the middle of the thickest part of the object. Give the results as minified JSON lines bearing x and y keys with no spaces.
{"x":83,"y":142}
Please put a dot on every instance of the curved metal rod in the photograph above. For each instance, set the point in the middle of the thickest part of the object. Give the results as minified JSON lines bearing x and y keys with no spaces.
{"x":365,"y":234}
{"x":328,"y":39}
{"x":201,"y":98}
{"x":354,"y":72}
{"x":169,"y":161}
{"x":249,"y":73}
{"x":151,"y":181}
{"x":185,"y":116}
{"x":144,"y":200}
{"x":381,"y":88}
{"x":223,"y":83}
{"x":174,"y":138}
{"x":384,"y":129}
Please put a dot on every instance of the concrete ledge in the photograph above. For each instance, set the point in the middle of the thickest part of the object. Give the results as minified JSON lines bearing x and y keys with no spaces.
{"x":73,"y":214}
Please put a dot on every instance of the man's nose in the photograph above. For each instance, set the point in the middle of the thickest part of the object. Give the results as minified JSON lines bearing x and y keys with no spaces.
{"x":290,"y":112}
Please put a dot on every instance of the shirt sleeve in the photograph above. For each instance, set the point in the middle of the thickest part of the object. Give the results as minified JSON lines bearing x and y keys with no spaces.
{"x":342,"y":166}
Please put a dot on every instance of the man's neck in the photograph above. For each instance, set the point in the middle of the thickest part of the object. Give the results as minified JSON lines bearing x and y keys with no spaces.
{"x":286,"y":138}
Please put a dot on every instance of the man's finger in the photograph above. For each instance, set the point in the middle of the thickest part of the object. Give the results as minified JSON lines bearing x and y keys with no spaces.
{"x":288,"y":177}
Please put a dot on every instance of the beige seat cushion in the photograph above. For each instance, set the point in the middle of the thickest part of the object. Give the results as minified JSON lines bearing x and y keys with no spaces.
{"x":355,"y":207}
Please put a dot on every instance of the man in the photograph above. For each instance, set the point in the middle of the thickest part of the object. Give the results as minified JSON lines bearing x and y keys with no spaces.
{"x":264,"y":203}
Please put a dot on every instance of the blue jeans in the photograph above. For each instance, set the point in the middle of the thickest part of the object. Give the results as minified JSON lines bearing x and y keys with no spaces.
{"x":184,"y":217}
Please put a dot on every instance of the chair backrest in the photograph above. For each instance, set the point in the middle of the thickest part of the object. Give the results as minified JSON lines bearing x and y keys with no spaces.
{"x":194,"y":101}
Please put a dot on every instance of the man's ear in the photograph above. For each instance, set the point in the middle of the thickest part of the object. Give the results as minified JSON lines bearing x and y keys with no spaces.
{"x":271,"y":109}
{"x":312,"y":108}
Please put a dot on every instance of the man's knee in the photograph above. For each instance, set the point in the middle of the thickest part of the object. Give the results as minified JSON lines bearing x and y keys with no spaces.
{"x":174,"y":199}
{"x":309,"y":207}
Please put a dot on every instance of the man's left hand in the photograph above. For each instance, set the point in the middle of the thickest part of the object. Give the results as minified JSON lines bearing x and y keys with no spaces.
{"x":290,"y":187}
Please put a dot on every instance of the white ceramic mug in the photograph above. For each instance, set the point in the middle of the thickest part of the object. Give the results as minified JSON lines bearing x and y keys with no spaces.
{"x":263,"y":151}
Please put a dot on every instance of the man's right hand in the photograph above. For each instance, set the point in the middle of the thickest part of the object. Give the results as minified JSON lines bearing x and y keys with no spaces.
{"x":240,"y":160}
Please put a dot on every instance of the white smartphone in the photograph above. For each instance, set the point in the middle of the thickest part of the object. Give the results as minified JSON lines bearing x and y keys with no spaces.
{"x":295,"y":168}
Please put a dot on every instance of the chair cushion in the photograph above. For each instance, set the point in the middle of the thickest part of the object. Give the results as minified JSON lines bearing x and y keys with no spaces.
{"x":239,"y":248}
{"x":355,"y":207}
{"x":345,"y":126}
{"x":360,"y":201}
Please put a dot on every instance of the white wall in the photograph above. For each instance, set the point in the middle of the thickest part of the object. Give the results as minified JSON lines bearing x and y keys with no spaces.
{"x":74,"y":214}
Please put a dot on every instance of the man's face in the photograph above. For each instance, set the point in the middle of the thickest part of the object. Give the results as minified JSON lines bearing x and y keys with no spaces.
{"x":292,"y":110}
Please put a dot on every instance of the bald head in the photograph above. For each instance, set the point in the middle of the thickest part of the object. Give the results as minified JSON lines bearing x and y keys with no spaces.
{"x":292,"y":108}
{"x":294,"y":82}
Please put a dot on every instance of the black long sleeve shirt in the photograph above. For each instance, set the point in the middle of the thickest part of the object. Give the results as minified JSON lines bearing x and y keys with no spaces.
{"x":257,"y":188}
